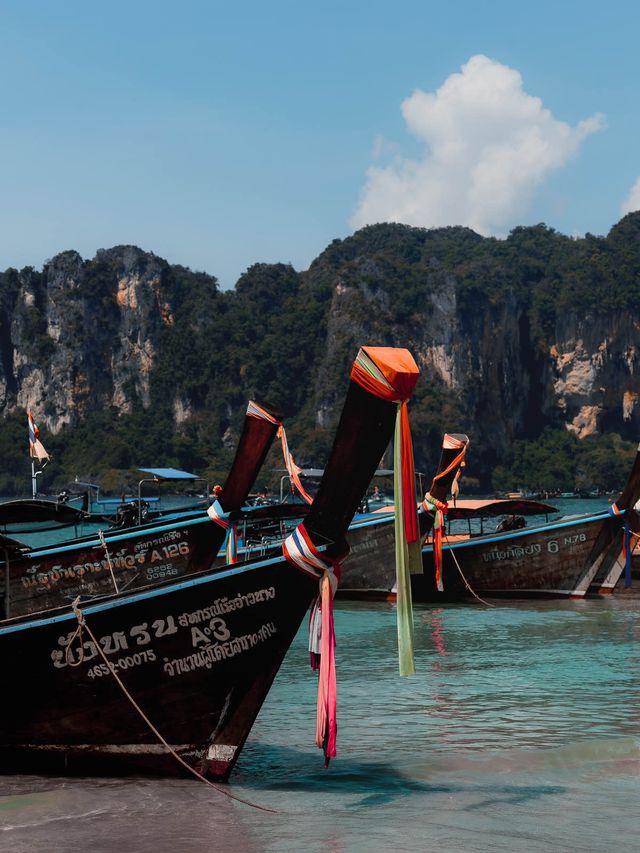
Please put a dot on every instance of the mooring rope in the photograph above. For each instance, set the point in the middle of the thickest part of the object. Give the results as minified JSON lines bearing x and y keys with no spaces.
{"x":466,"y":582}
{"x":106,"y":551}
{"x":82,"y":624}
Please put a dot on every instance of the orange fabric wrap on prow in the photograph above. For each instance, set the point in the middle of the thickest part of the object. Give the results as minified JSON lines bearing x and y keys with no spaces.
{"x":391,"y":374}
{"x":398,"y":368}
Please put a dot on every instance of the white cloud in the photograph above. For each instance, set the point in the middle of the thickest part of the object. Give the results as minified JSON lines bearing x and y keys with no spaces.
{"x":632,"y":201}
{"x":488,"y":145}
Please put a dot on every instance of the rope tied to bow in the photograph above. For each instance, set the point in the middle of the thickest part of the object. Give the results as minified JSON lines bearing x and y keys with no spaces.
{"x":103,"y":542}
{"x":82,"y":626}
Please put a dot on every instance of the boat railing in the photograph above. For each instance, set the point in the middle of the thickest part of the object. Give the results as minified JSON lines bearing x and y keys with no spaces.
{"x":93,"y":492}
{"x":155,"y":479}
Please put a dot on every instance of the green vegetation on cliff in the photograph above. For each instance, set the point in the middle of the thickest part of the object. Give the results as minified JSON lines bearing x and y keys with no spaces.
{"x":168,"y":382}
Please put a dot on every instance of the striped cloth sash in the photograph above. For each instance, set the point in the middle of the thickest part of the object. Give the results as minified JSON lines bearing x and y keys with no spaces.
{"x":299,"y":550}
{"x":292,"y":469}
{"x":256,"y":411}
{"x":439,"y":509}
{"x":394,"y":384}
{"x":217,"y":514}
{"x":451,"y":443}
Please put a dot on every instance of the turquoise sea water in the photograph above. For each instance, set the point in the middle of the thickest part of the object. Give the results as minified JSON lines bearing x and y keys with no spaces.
{"x":519,"y":732}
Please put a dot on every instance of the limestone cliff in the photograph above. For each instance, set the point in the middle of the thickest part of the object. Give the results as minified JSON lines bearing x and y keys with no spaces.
{"x":594,"y":374}
{"x":82,"y":336}
{"x":511,"y":336}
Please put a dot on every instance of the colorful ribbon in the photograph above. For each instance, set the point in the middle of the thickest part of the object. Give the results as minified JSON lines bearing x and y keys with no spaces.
{"x":299,"y":550}
{"x":256,"y":411}
{"x":292,"y":469}
{"x":439,"y":510}
{"x":217,"y":514}
{"x":391,"y":375}
{"x":451,"y":443}
{"x":232,"y":545}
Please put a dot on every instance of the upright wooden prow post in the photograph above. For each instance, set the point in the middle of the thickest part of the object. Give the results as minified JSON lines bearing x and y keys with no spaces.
{"x":452,"y":460}
{"x":454,"y":448}
{"x":260,"y":427}
{"x":382,"y":379}
{"x":365,"y":429}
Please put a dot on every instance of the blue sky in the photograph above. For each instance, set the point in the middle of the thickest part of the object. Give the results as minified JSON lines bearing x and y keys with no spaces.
{"x":218,"y":135}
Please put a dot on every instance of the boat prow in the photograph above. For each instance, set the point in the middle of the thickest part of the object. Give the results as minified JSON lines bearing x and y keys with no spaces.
{"x":170,"y":677}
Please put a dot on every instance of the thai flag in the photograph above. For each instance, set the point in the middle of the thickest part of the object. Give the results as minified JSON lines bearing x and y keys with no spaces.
{"x":36,"y":450}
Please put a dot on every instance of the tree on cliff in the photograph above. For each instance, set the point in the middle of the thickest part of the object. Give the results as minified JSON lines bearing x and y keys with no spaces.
{"x":125,"y":351}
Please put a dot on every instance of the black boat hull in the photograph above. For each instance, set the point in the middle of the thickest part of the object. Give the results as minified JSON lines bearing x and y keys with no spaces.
{"x":52,"y":577}
{"x":548,"y":560}
{"x":198,"y":657}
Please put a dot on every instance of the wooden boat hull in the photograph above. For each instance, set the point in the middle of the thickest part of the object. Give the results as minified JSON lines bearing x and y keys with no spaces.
{"x":198,"y":656}
{"x":177,"y":671}
{"x":369,"y":569}
{"x":52,"y":577}
{"x":40,"y":578}
{"x":546,"y":560}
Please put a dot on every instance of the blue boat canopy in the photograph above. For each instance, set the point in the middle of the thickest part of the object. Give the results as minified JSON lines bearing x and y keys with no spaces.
{"x":169,"y":474}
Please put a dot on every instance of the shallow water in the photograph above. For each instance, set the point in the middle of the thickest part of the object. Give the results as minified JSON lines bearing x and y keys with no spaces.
{"x":519,"y":731}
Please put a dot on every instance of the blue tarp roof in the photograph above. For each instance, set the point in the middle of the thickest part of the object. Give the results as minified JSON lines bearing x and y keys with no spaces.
{"x":169,"y":474}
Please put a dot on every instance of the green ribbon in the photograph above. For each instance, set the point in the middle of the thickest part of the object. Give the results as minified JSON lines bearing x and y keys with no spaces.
{"x":408,"y":562}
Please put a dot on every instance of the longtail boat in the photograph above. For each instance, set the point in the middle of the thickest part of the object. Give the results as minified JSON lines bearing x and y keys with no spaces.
{"x":171,"y":676}
{"x":369,"y":570}
{"x":568,"y":556}
{"x":39,"y":578}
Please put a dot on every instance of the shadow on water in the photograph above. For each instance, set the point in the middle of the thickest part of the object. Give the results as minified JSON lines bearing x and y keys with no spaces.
{"x":370,"y":784}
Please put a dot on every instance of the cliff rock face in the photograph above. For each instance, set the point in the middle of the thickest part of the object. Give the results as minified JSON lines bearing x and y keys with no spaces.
{"x":82,"y":335}
{"x":475,"y":360}
{"x":594,"y":373}
{"x":482,"y":356}
{"x":488,"y":366}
